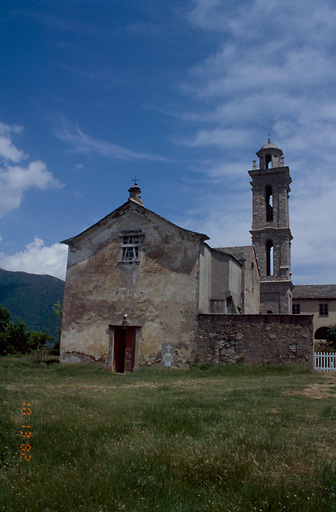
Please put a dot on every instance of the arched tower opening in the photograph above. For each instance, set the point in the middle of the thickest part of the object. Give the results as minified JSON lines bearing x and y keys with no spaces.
{"x":269,"y":203}
{"x":269,"y":258}
{"x":268,"y":161}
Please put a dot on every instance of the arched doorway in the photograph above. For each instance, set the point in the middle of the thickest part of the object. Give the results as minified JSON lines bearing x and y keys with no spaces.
{"x":321,"y":334}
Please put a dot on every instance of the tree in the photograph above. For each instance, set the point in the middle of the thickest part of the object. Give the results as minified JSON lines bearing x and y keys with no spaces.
{"x":39,"y":339}
{"x":18,"y":336}
{"x":331,"y":336}
{"x":15,"y":337}
{"x":58,"y":310}
{"x":4,"y":335}
{"x":4,"y":318}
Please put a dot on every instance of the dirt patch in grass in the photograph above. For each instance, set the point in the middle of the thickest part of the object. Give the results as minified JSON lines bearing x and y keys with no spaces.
{"x":318,"y":390}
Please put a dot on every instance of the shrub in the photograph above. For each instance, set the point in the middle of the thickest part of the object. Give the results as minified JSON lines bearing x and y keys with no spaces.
{"x":16,"y":338}
{"x":331,"y":336}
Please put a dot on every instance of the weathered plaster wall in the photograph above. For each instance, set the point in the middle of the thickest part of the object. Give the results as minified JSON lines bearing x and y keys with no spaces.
{"x":251,"y":286}
{"x":205,"y":278}
{"x":255,"y":339}
{"x":160,"y":294}
{"x":225,"y":282}
{"x":219,"y":275}
{"x":235,"y":282}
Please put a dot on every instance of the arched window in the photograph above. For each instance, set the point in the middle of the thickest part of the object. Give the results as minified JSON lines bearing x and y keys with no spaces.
{"x":269,"y":203}
{"x":269,"y":258}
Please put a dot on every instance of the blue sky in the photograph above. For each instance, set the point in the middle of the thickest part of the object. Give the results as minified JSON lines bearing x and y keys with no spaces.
{"x":181,"y":94}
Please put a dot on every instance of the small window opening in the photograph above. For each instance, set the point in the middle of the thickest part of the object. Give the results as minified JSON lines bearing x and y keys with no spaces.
{"x":268,"y":161}
{"x":269,"y":203}
{"x":252,"y":271}
{"x":324,"y":310}
{"x":269,"y":258}
{"x":130,"y":246}
{"x":296,"y":309}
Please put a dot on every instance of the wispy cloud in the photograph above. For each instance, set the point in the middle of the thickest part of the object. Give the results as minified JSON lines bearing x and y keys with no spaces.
{"x":17,"y":173}
{"x":104,"y":77}
{"x":59,"y":22}
{"x":143,"y":29}
{"x":84,"y":143}
{"x":218,"y":137}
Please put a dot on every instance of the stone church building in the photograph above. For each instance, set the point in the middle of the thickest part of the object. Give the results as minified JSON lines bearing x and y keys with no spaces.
{"x":140,"y":290}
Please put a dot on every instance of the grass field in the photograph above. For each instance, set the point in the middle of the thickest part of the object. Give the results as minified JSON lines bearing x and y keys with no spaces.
{"x":233,"y":438}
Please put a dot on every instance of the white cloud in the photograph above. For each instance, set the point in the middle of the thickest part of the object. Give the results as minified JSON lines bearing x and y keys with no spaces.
{"x":37,"y":258}
{"x":221,"y":138}
{"x":255,"y":19}
{"x":7,"y":128}
{"x":216,"y":171}
{"x":86,"y":144}
{"x":8,"y":151}
{"x":224,"y":217}
{"x":17,"y":174}
{"x":313,"y":211}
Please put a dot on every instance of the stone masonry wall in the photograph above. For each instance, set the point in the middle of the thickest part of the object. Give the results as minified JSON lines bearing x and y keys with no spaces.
{"x":255,"y":339}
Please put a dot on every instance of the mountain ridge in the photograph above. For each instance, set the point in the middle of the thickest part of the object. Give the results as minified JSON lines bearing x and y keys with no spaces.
{"x":30,"y":297}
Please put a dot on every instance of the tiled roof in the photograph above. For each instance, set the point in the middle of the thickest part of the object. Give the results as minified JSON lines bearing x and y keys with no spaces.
{"x":240,"y":253}
{"x":315,"y":291}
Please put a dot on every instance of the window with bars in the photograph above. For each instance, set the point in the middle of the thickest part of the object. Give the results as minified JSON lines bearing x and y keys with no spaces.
{"x":324,"y":310}
{"x":131,"y":246}
{"x":296,"y":309}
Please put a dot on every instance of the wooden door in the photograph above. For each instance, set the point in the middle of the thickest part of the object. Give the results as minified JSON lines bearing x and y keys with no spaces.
{"x":119,"y":350}
{"x":129,"y":349}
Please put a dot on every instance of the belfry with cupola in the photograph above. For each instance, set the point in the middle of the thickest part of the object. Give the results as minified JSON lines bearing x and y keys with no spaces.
{"x":271,"y":234}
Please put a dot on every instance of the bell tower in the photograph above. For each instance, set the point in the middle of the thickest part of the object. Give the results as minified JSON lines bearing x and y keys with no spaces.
{"x":271,"y":234}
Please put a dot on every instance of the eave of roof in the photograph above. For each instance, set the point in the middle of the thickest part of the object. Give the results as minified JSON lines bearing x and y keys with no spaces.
{"x":68,"y":241}
{"x":314,"y":291}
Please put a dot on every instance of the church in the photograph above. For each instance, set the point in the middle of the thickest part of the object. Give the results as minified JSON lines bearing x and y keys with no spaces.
{"x":141,"y":290}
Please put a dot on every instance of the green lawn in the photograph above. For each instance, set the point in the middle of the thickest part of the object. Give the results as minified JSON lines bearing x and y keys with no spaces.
{"x":226,"y":439}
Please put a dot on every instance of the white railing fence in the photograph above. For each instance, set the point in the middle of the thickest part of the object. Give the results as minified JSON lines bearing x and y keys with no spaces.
{"x":324,"y":362}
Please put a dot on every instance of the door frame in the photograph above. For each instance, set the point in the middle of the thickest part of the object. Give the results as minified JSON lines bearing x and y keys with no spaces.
{"x":111,"y":331}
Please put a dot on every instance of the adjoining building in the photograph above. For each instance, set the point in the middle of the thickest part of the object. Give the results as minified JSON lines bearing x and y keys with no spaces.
{"x":320,"y":301}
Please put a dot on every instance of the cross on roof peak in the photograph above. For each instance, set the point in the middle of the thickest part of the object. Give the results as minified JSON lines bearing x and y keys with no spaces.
{"x":135,"y":180}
